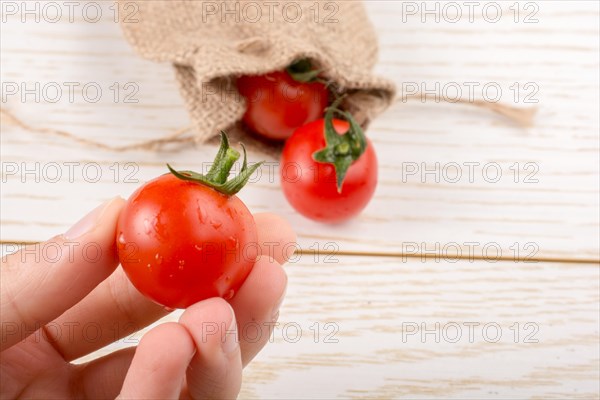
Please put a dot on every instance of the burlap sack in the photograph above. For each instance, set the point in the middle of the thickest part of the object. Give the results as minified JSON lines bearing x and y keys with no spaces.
{"x":211,"y":43}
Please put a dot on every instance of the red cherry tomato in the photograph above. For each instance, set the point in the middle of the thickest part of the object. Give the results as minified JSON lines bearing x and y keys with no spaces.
{"x":310,"y":186}
{"x":180,"y":242}
{"x":184,"y":237}
{"x":277,"y":104}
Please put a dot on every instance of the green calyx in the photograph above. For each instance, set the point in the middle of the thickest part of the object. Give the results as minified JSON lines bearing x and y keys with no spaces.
{"x":216,"y":177}
{"x":341,"y":150}
{"x":302,"y":71}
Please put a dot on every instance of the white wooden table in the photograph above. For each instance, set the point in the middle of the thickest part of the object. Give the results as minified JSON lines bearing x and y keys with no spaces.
{"x":515,"y":254}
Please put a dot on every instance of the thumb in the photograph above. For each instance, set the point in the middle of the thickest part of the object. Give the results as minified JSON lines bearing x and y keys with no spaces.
{"x":43,"y":280}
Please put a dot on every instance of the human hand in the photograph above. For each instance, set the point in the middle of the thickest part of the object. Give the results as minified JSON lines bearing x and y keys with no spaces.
{"x":53,"y":292}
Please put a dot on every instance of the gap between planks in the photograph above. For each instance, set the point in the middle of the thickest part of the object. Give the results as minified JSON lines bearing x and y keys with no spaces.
{"x":423,"y":256}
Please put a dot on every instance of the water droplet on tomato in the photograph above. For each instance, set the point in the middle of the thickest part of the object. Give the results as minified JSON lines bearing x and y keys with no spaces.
{"x":181,"y":264}
{"x":201,"y":212}
{"x":149,"y":267}
{"x":229,"y":294}
{"x":122,"y":238}
{"x":216,"y":224}
{"x":198,"y":247}
{"x":170,"y":275}
{"x":233,"y":242}
{"x":158,"y":258}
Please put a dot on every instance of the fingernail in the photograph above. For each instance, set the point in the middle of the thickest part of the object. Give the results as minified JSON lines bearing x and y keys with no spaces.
{"x":87,"y":223}
{"x":231,"y":342}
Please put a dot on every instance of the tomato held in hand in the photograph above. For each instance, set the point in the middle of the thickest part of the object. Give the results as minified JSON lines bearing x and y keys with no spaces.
{"x":184,"y":237}
{"x":329,"y":169}
{"x":280,"y":102}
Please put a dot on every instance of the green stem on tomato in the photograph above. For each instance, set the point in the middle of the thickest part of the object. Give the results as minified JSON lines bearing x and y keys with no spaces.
{"x":224,"y":160}
{"x":302,"y":71}
{"x":216,"y":177}
{"x":341,"y":150}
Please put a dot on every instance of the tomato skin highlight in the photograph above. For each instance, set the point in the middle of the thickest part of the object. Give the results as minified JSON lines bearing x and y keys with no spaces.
{"x":310,"y":186}
{"x":277,"y":104}
{"x":181,"y":242}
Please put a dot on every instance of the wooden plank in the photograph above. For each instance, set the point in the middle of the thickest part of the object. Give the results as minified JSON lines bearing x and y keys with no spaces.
{"x":381,"y":309}
{"x":387,"y":328}
{"x":557,"y":215}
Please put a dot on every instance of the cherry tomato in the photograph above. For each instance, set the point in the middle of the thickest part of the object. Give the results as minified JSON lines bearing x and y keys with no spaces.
{"x":277,"y":104}
{"x":310,"y":186}
{"x":181,"y":241}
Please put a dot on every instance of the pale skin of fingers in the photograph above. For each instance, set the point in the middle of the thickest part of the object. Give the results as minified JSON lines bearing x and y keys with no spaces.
{"x":31,"y":367}
{"x":276,"y":237}
{"x":103,"y":377}
{"x":109,"y":375}
{"x":41,"y":282}
{"x":158,"y":368}
{"x":117,"y":308}
{"x":216,"y":369}
{"x":267,"y":279}
{"x":257,"y":315}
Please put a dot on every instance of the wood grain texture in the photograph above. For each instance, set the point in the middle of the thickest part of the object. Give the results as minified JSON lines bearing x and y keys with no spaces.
{"x":369,"y":298}
{"x":372,"y":301}
{"x":559,"y":54}
{"x":364,"y":327}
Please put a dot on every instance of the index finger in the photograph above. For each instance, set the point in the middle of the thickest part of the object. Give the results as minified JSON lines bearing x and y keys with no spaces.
{"x":42,"y":281}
